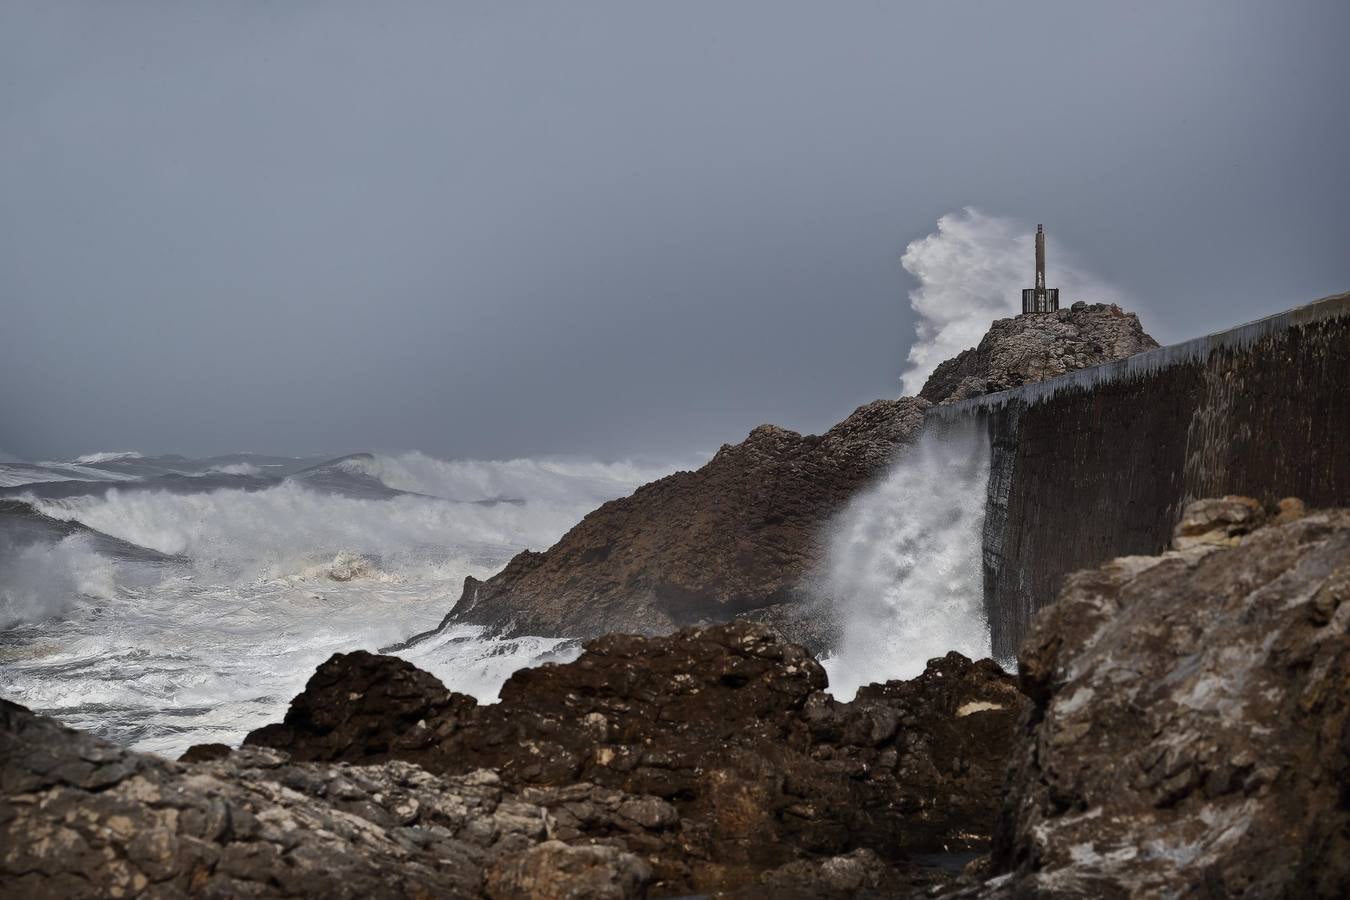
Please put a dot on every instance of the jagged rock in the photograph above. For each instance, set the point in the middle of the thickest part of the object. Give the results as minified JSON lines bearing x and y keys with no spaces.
{"x":727,"y":726}
{"x":370,"y":706}
{"x":1037,"y":346}
{"x":737,"y":536}
{"x":1221,"y":522}
{"x":557,"y":871}
{"x":80,"y":817}
{"x":1189,"y":733}
{"x":743,"y":536}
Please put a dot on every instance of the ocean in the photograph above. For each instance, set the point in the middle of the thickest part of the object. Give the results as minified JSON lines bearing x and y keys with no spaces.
{"x":163,"y":601}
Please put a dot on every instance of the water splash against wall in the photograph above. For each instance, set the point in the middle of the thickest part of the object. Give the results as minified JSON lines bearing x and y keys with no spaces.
{"x":904,"y":564}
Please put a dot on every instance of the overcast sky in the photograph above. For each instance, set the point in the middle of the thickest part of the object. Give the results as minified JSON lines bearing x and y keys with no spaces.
{"x":501,"y":229}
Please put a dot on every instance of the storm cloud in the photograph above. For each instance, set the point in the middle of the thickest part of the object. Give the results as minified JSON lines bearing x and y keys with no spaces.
{"x":601,"y":228}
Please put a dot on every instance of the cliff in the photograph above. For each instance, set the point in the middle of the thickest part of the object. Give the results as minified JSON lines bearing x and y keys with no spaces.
{"x":741,"y":536}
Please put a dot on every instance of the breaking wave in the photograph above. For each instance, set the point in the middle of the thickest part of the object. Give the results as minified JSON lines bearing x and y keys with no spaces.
{"x":41,"y":580}
{"x":90,"y":459}
{"x":273,"y":565}
{"x":904,"y":564}
{"x":972,"y":270}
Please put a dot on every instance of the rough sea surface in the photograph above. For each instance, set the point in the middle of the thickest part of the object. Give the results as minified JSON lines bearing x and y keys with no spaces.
{"x":166,"y":601}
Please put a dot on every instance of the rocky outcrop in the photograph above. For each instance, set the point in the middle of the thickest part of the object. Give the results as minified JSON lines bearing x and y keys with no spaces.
{"x":735,"y":538}
{"x":1189,"y":733}
{"x":80,"y":817}
{"x":1037,"y":346}
{"x":745,"y":764}
{"x":741,"y":537}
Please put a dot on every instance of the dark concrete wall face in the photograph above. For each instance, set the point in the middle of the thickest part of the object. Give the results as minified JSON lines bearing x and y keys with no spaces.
{"x":1100,"y":463}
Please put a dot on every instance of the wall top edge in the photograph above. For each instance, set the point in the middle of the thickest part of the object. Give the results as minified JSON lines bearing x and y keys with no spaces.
{"x":1196,"y":349}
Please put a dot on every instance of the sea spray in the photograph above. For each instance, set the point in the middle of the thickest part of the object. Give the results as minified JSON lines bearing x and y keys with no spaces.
{"x":274,"y":578}
{"x":41,"y":580}
{"x":972,"y":269}
{"x":904,"y":562}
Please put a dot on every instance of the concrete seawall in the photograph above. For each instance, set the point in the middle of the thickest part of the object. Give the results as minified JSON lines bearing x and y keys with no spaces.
{"x":1099,"y":463}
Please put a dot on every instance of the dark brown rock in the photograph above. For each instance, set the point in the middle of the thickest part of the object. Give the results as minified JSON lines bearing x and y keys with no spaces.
{"x":736,"y":537}
{"x":1190,"y":727}
{"x":1034,"y":347}
{"x":558,"y":871}
{"x":728,"y":726}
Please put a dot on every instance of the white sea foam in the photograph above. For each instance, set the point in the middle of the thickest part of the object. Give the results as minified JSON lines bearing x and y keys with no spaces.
{"x":543,"y":481}
{"x":90,"y":459}
{"x":287,"y":527}
{"x":237,"y":469}
{"x":165,"y":655}
{"x":904,"y":563}
{"x":472,"y":664}
{"x":15,"y":474}
{"x":41,"y":580}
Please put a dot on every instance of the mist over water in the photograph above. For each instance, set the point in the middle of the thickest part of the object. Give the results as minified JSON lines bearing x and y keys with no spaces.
{"x":904,"y":563}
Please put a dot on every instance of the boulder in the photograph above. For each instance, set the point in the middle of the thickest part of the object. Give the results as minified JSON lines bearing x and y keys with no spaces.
{"x":726,"y":731}
{"x":1189,"y":727}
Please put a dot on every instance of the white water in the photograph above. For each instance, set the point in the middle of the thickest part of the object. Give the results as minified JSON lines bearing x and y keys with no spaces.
{"x":971,"y":271}
{"x":42,"y":580}
{"x":904,"y":563}
{"x":162,"y":655}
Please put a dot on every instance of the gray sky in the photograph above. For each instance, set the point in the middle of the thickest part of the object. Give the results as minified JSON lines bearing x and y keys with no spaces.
{"x":499,"y":229}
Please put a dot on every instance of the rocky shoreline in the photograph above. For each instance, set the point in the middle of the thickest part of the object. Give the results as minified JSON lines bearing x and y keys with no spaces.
{"x":1180,"y":725}
{"x":743,"y":537}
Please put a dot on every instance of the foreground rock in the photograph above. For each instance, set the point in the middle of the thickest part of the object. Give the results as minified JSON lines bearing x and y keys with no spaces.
{"x":1190,"y":727}
{"x":1030,"y":348}
{"x":741,"y":537}
{"x":80,"y":817}
{"x":744,"y":763}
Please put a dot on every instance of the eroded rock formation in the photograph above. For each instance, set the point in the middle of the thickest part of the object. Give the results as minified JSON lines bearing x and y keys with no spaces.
{"x":1189,"y":733}
{"x":741,"y":537}
{"x":80,"y":817}
{"x":735,"y":537}
{"x":724,"y":732}
{"x":1031,"y":348}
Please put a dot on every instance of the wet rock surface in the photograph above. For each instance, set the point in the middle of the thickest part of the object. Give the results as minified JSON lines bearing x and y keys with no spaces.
{"x":1034,"y":347}
{"x":1189,"y":733}
{"x":80,"y":817}
{"x":738,"y":762}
